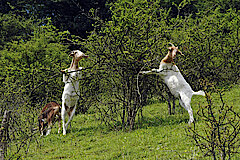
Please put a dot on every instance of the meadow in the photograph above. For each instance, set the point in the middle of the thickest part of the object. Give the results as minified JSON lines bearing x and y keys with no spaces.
{"x":158,"y":135}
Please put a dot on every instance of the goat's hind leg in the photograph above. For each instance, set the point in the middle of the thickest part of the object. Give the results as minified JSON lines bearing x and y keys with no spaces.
{"x":71,"y":114}
{"x":49,"y":128}
{"x":59,"y":124}
{"x":173,"y":106}
{"x":63,"y":113}
{"x":185,"y":103}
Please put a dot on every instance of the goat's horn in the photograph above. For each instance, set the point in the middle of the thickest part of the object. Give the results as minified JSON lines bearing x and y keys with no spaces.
{"x":171,"y":44}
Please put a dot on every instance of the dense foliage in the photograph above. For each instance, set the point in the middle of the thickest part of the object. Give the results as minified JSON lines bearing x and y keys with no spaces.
{"x":136,"y":38}
{"x":30,"y":75}
{"x":71,"y":15}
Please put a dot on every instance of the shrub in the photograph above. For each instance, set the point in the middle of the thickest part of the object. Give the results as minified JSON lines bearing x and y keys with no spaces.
{"x":219,"y":137}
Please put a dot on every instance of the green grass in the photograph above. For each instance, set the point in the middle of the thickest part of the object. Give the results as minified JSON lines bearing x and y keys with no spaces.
{"x":160,"y":136}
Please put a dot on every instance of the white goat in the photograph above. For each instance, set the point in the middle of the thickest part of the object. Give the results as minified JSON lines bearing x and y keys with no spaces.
{"x":173,"y":78}
{"x":70,"y":94}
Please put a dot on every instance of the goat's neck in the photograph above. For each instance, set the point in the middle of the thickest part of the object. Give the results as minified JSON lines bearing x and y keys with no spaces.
{"x":168,"y":59}
{"x":74,"y":64}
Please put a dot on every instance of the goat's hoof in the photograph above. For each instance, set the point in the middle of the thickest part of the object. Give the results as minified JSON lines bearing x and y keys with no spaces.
{"x":190,"y":122}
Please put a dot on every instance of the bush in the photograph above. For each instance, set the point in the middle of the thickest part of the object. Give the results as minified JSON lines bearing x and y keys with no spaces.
{"x":219,"y":137}
{"x":30,"y":77}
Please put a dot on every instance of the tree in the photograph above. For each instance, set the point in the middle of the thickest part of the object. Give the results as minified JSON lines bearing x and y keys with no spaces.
{"x":14,"y":28}
{"x":71,"y":15}
{"x":120,"y":47}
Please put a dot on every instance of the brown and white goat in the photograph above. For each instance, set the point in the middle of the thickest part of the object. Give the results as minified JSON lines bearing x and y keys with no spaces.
{"x":50,"y":113}
{"x":70,"y":94}
{"x":172,"y":77}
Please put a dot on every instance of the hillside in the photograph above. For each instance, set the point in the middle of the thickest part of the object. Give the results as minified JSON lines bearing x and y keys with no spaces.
{"x":159,"y":136}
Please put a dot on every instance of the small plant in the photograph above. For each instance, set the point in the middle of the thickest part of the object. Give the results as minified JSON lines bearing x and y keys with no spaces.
{"x":219,"y":137}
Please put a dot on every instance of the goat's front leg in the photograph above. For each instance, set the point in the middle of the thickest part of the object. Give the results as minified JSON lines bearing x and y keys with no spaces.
{"x":153,"y":71}
{"x":145,"y":72}
{"x":48,"y":131}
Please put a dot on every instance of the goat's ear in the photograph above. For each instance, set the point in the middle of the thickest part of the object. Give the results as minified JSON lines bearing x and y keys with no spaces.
{"x":170,"y":49}
{"x":71,"y":53}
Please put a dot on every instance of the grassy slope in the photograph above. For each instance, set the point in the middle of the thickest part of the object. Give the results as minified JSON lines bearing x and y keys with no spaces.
{"x":160,"y":136}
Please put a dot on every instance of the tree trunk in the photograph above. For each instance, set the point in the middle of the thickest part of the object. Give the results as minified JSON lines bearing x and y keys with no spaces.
{"x":2,"y":149}
{"x":4,"y":134}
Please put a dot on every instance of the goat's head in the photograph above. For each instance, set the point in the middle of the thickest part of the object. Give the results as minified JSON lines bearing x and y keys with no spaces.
{"x":173,"y":51}
{"x":42,"y":124}
{"x":78,"y":55}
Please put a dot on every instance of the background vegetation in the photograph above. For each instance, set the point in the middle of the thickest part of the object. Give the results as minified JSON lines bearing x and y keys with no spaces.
{"x":121,"y":37}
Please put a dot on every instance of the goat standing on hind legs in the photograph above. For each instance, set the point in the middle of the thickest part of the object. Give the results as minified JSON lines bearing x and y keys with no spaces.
{"x":172,"y":77}
{"x":70,"y":94}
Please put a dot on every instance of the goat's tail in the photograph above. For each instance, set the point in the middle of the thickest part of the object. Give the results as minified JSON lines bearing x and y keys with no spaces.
{"x":201,"y":93}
